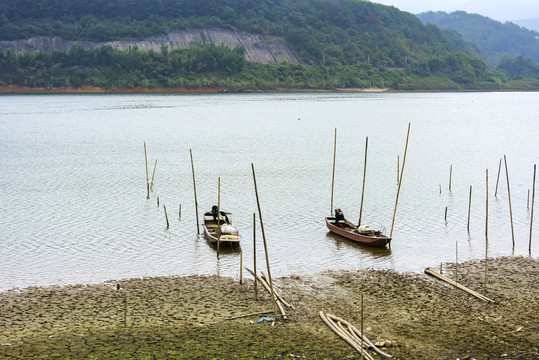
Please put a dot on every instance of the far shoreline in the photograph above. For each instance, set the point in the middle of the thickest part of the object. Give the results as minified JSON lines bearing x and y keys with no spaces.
{"x":27,"y":90}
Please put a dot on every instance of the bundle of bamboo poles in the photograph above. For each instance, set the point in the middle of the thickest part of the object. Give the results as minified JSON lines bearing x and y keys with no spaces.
{"x":351,"y":335}
{"x":278,"y":298}
{"x":433,"y":272}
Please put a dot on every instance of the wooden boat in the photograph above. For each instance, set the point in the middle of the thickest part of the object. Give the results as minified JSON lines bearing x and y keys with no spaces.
{"x":219,"y":227}
{"x":363,"y":235}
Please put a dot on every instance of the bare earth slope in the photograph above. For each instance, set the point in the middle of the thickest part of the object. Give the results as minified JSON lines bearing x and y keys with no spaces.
{"x":258,"y":48}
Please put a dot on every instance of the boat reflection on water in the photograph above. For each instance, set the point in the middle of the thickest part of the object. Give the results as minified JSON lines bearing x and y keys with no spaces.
{"x":343,"y":242}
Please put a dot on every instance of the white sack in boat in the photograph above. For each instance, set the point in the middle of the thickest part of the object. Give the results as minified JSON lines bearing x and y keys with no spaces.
{"x":228,"y":229}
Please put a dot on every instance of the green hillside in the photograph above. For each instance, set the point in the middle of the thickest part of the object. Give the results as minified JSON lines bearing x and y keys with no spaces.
{"x":341,"y":44}
{"x":494,"y":40}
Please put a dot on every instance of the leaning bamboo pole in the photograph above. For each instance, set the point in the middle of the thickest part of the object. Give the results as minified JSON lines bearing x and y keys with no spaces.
{"x":364,"y":176}
{"x":433,"y":273}
{"x":254,"y":252}
{"x":400,"y":181}
{"x":509,"y":196}
{"x":469,"y":208}
{"x":218,"y":230}
{"x":498,"y":178}
{"x":346,"y":337}
{"x":266,"y":285}
{"x":265,"y":243}
{"x":333,"y":176}
{"x":486,"y":230}
{"x":166,"y":216}
{"x":533,"y":200}
{"x":195,"y":190}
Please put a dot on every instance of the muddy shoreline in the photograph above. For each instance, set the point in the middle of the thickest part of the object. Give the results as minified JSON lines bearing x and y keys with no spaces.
{"x":202,"y":317}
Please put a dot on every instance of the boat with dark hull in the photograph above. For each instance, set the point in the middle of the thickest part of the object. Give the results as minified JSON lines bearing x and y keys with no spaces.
{"x":364,"y":235}
{"x":219,"y":228}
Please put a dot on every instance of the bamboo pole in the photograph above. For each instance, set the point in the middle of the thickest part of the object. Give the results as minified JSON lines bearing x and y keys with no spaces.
{"x":469,"y":208}
{"x":528,"y":201}
{"x":509,"y":195}
{"x":218,"y":214}
{"x":400,"y":181}
{"x":195,"y":189}
{"x":486,"y":232}
{"x":254,"y":252}
{"x":266,"y":286}
{"x":533,"y":200}
{"x":333,"y":176}
{"x":125,"y":310}
{"x":264,"y":239}
{"x":166,"y":217}
{"x":346,"y":337}
{"x":367,"y":341}
{"x":456,"y":261}
{"x":241,"y":266}
{"x":277,"y":295}
{"x":362,"y":322}
{"x":450,"y":176}
{"x":364,"y":176}
{"x":180,"y":212}
{"x":445,"y":216}
{"x":432,"y":272}
{"x":498,"y":178}
{"x":153,"y":174}
{"x":147,"y":183}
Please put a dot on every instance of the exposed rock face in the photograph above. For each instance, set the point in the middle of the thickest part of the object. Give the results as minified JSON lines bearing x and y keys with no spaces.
{"x":258,"y":48}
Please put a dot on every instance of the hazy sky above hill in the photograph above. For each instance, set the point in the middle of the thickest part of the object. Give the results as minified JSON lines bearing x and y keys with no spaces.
{"x":501,"y":10}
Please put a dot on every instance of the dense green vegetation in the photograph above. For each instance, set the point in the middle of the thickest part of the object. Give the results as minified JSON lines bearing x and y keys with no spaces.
{"x":341,"y":43}
{"x":494,"y":40}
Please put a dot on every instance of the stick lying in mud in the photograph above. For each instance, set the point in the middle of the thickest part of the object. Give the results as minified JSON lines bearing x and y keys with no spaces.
{"x":351,"y":336}
{"x":432,"y":272}
{"x":358,"y":333}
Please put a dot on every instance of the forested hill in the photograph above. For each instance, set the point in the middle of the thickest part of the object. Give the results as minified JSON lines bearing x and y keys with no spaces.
{"x":338,"y":44}
{"x":320,"y":31}
{"x":495,"y":40}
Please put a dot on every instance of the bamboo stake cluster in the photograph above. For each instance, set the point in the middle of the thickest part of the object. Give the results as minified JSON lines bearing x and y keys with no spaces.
{"x":279,"y":301}
{"x":351,"y":335}
{"x":432,"y":272}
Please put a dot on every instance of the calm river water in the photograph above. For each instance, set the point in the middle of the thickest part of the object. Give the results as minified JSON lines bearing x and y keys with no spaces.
{"x":73,"y":180}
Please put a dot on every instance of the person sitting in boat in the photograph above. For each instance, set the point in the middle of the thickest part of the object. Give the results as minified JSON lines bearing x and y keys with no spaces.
{"x":214,"y":212}
{"x":339,"y":216}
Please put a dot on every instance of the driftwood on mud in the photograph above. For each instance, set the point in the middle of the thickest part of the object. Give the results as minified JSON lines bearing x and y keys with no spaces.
{"x":432,"y":272}
{"x":351,"y":335}
{"x":279,"y":300}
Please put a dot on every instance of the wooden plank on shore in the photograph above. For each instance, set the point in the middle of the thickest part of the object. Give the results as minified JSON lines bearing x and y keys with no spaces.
{"x":432,"y":272}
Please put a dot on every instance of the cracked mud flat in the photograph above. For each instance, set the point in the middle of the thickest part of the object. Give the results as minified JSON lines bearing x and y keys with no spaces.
{"x":186,"y":317}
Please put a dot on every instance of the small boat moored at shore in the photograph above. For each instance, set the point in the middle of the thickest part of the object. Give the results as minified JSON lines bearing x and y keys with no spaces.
{"x":339,"y":225}
{"x":219,"y":228}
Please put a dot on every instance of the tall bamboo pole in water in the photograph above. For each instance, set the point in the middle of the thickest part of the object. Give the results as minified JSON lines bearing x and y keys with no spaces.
{"x":333,"y":176}
{"x":498,"y":178}
{"x":265,"y":244}
{"x":450,"y":175}
{"x":195,"y":189}
{"x":254,"y":252}
{"x":509,"y":195}
{"x":218,"y":214}
{"x":469,"y":208}
{"x":147,"y":183}
{"x":398,"y":167}
{"x":166,"y":216}
{"x":533,"y":200}
{"x":364,"y":176}
{"x":400,"y":181}
{"x":486,"y":232}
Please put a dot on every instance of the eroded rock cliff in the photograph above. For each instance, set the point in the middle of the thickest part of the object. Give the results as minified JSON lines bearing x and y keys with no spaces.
{"x":258,"y":48}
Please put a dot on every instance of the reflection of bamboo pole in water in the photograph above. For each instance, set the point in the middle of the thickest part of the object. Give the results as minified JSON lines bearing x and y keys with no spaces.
{"x":265,"y":244}
{"x":333,"y":176}
{"x":486,"y":232}
{"x":469,"y":208}
{"x":400,"y":181}
{"x":533,"y":200}
{"x":450,"y":175}
{"x":509,"y":196}
{"x":498,"y":178}
{"x":364,"y":176}
{"x":153,"y":174}
{"x":195,"y":189}
{"x":147,"y":183}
